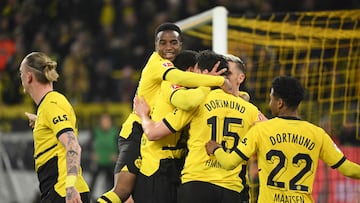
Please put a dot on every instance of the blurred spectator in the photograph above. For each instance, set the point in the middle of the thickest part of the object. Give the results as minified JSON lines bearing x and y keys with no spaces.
{"x":102,"y":83}
{"x":127,"y":84}
{"x":7,"y":45}
{"x":13,"y":93}
{"x":75,"y":73}
{"x":121,"y":31}
{"x":104,"y":151}
{"x":107,"y":14}
{"x":348,"y":137}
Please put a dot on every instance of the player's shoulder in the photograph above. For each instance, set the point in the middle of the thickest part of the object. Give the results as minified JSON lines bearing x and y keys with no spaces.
{"x":54,"y":99}
{"x":156,"y":59}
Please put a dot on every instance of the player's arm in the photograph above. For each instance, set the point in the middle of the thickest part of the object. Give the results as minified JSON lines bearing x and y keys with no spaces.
{"x":350,"y":169}
{"x":73,"y":155}
{"x":153,"y":130}
{"x":188,"y":99}
{"x":227,"y":161}
{"x":189,"y":79}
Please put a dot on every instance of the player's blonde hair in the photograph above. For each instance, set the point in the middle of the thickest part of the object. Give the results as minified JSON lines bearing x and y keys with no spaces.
{"x":44,"y":67}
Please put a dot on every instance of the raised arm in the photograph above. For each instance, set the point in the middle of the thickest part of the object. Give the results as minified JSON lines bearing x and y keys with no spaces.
{"x":188,"y":99}
{"x":189,"y":79}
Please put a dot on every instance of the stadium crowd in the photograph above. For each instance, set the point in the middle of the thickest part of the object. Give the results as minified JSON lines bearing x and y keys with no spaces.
{"x":101,"y":45}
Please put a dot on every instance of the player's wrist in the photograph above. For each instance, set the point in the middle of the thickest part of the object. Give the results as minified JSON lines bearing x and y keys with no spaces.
{"x":217,"y":147}
{"x":70,"y":181}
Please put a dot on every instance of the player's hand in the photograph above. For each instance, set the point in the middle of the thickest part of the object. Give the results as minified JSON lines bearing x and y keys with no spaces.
{"x":211,"y":146}
{"x":246,"y":96}
{"x":214,"y":70}
{"x":227,"y":87}
{"x":72,"y":195}
{"x":140,"y":107}
{"x":32,"y":118}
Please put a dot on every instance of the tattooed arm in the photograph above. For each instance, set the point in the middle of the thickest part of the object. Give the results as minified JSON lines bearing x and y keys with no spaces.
{"x":73,"y":155}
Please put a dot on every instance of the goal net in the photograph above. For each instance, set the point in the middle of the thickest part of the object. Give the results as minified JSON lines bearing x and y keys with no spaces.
{"x":321,"y":49}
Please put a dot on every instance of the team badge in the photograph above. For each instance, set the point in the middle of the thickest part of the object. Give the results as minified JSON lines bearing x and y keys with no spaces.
{"x":137,"y":162}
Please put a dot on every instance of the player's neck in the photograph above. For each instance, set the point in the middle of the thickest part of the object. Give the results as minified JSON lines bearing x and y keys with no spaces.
{"x":40,"y":92}
{"x":288,"y":113}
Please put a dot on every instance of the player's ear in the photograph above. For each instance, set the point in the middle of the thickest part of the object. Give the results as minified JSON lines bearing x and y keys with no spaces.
{"x":241,"y":78}
{"x":280,"y":103}
{"x":29,"y":77}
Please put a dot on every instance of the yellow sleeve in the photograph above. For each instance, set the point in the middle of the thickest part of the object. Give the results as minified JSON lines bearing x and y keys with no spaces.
{"x":350,"y":169}
{"x":180,"y":97}
{"x":189,"y":79}
{"x":228,"y":161}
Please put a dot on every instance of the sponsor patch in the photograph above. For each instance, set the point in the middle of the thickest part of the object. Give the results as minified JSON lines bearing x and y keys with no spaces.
{"x":167,"y":65}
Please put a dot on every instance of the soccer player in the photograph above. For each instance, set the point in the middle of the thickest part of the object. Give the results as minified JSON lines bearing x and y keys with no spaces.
{"x":220,"y":116}
{"x":162,"y":157}
{"x":57,"y":151}
{"x":288,"y":149}
{"x":168,"y":43}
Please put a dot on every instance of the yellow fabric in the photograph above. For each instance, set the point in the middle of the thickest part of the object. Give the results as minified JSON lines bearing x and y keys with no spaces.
{"x":70,"y":181}
{"x":152,"y":151}
{"x":350,"y":169}
{"x":188,"y":99}
{"x":221,"y":117}
{"x":55,"y":115}
{"x":110,"y":195}
{"x":289,"y":150}
{"x":155,"y":71}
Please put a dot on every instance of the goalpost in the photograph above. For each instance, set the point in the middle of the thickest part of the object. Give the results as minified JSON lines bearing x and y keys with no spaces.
{"x":321,"y":49}
{"x":218,"y":17}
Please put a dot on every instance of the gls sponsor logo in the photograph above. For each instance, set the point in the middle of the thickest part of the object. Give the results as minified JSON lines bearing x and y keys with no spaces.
{"x":59,"y":119}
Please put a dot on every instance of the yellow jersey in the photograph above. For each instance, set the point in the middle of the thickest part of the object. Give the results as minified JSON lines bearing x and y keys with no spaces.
{"x":55,"y":116}
{"x":221,"y":117}
{"x":155,"y":71}
{"x":288,"y":151}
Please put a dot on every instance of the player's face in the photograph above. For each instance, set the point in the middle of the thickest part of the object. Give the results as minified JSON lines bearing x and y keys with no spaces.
{"x":235,"y":76}
{"x":168,"y":44}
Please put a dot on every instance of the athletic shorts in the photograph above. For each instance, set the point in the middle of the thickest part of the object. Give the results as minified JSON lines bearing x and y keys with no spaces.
{"x":161,"y":187}
{"x":204,"y":192}
{"x":129,"y":158}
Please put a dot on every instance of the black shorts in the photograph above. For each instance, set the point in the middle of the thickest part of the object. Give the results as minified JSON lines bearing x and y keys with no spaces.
{"x":203,"y":192}
{"x":161,"y":187}
{"x":129,"y":158}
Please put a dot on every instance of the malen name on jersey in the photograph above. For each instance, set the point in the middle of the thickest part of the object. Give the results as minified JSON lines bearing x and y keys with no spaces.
{"x":219,"y":103}
{"x":292,"y":138}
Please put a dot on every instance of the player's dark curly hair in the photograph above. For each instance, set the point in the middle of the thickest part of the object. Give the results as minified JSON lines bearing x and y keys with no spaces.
{"x":185,"y":59}
{"x":206,"y":59}
{"x":168,"y":26}
{"x":289,"y":89}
